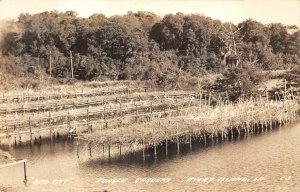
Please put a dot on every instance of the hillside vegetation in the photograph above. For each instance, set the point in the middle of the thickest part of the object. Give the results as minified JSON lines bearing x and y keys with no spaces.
{"x":174,"y":52}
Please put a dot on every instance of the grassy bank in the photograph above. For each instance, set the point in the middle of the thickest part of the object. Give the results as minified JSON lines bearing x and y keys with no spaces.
{"x":5,"y":157}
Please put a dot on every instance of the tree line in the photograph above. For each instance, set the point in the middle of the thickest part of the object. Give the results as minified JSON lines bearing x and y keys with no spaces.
{"x":144,"y":46}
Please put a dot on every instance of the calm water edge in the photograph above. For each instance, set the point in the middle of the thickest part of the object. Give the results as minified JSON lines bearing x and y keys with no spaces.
{"x":266,"y":162}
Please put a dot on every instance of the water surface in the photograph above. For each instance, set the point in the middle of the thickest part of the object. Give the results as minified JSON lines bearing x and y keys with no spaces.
{"x":265,"y":162}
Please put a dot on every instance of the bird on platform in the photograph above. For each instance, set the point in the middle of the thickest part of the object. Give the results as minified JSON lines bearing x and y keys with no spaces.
{"x":72,"y":130}
{"x":17,"y":116}
{"x":159,"y":115}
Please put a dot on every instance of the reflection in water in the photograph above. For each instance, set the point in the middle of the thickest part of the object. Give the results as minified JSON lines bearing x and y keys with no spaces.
{"x":270,"y":161}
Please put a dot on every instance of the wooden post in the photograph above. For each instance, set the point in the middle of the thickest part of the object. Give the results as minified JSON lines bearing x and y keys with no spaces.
{"x":25,"y":174}
{"x":20,"y":140}
{"x":144,"y":158}
{"x":90,"y":149}
{"x":51,"y":135}
{"x":29,"y":122}
{"x":121,"y":114}
{"x":166,"y":146}
{"x":190,"y":142}
{"x":136,"y":113}
{"x":105,"y":116}
{"x":199,"y":106}
{"x":155,"y":153}
{"x":49,"y":117}
{"x":6,"y":128}
{"x":284,"y":89}
{"x":177,"y":138}
{"x":87,"y":120}
{"x":50,"y":63}
{"x":69,"y":121}
{"x":72,"y":75}
{"x":177,"y":108}
{"x":143,"y":144}
{"x":222,"y":135}
{"x":139,"y":94}
{"x":109,"y":152}
{"x":151,"y":109}
{"x":200,"y":100}
{"x":77,"y":146}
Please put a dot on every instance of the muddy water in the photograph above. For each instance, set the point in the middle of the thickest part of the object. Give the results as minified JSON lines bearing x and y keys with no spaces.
{"x":265,"y":162}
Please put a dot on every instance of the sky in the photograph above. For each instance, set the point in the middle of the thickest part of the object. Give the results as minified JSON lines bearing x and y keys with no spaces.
{"x":265,"y":11}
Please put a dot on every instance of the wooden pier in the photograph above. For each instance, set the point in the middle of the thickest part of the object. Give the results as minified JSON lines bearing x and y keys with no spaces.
{"x":36,"y":120}
{"x":202,"y":123}
{"x":139,"y":120}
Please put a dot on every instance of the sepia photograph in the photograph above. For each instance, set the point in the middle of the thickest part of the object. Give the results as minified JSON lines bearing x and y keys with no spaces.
{"x":149,"y":95}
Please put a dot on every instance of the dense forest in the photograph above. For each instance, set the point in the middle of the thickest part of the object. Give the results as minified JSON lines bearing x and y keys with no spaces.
{"x":143,"y":46}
